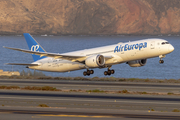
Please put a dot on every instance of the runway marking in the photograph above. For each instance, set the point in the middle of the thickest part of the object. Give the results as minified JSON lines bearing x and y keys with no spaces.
{"x":88,"y":100}
{"x":84,"y":116}
{"x":36,"y":116}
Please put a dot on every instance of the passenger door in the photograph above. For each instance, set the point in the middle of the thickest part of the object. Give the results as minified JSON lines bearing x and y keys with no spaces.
{"x":152,"y":45}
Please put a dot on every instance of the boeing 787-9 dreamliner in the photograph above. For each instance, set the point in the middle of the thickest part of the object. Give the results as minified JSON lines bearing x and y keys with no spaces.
{"x":135,"y":54}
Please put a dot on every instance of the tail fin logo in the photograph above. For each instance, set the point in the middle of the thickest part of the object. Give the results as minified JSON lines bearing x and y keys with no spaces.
{"x":35,"y":48}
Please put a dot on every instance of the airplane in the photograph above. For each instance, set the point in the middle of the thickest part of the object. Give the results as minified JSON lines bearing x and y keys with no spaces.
{"x":134,"y":53}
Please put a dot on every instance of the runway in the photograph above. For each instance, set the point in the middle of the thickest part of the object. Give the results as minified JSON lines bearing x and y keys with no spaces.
{"x":81,"y":114}
{"x":80,"y":105}
{"x":89,"y":96}
{"x":73,"y":82}
{"x":101,"y":85}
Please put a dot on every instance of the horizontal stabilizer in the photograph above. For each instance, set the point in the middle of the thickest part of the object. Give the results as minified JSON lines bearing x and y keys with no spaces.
{"x":22,"y":64}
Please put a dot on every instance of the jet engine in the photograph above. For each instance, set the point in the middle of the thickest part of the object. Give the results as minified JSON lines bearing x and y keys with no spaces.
{"x":95,"y":61}
{"x":137,"y":63}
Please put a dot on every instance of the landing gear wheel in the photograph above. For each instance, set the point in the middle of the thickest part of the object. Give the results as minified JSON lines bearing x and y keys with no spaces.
{"x":105,"y":73}
{"x":109,"y":72}
{"x":91,"y":71}
{"x":88,"y":72}
{"x":112,"y":71}
{"x":161,"y":61}
{"x":84,"y":73}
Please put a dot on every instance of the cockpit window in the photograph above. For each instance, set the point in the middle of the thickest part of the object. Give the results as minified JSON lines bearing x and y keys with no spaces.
{"x":163,"y":43}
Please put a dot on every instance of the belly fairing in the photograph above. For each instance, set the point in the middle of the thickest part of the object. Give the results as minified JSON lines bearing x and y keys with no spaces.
{"x":60,"y":67}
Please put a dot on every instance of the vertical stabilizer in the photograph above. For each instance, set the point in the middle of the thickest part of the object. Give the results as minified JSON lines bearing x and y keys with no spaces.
{"x":34,"y":46}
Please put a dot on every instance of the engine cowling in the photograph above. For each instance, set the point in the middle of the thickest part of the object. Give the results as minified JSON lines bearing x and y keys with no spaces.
{"x":95,"y":61}
{"x":137,"y":63}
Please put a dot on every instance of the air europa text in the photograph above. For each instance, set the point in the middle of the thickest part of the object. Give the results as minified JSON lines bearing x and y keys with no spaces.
{"x":127,"y":47}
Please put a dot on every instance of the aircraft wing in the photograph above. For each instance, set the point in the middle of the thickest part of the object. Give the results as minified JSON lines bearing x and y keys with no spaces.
{"x":22,"y":64}
{"x":54,"y":55}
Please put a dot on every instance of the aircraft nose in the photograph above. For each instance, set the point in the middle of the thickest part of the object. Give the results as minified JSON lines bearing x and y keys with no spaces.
{"x":171,"y":48}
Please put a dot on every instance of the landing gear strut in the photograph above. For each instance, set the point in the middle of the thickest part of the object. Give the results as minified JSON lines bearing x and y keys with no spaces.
{"x":88,"y":72}
{"x":109,"y":72}
{"x":161,"y":61}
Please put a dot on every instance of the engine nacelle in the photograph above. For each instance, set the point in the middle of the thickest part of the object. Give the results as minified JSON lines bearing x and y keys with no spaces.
{"x":95,"y":61}
{"x":137,"y":63}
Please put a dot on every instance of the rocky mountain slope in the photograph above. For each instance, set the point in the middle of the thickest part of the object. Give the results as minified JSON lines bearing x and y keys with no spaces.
{"x":90,"y":16}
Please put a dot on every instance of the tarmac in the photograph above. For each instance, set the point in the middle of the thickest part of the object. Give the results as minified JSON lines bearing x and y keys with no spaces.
{"x":26,"y":104}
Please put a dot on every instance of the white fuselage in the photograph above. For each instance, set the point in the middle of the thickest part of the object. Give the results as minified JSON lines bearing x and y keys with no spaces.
{"x":122,"y":52}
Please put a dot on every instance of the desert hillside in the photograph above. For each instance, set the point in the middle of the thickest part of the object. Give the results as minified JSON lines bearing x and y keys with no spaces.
{"x":90,"y":17}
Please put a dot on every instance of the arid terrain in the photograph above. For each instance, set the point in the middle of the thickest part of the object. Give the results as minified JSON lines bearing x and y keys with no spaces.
{"x":90,"y":17}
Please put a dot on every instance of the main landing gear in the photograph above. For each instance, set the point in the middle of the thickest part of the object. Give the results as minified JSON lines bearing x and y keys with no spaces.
{"x":109,"y":72}
{"x":88,"y":72}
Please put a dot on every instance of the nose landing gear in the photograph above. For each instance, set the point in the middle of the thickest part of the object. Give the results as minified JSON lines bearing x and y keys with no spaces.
{"x":88,"y":72}
{"x":161,"y":61}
